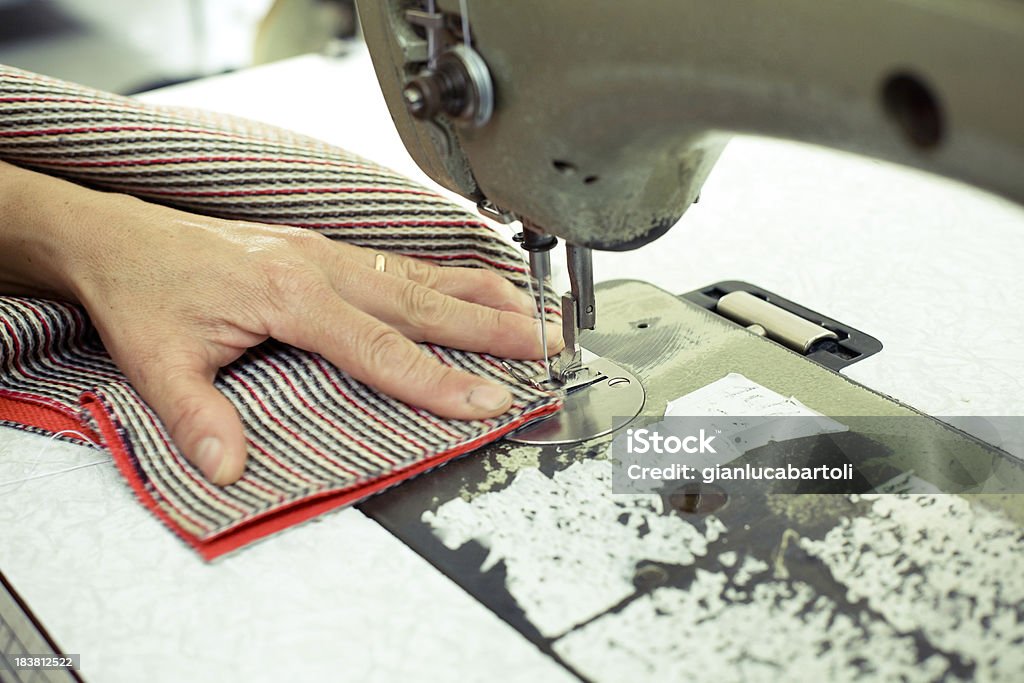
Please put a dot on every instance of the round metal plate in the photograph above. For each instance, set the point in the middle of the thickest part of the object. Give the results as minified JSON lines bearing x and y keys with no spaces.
{"x":590,"y":412}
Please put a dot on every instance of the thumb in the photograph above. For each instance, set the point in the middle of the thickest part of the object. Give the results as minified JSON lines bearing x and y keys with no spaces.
{"x":202,"y":422}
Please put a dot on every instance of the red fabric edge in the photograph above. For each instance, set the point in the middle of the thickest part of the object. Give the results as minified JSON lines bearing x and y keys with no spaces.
{"x":294,"y":513}
{"x":53,"y":418}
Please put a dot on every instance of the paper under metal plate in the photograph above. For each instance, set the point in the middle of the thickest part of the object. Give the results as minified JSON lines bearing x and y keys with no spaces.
{"x":591,"y":412}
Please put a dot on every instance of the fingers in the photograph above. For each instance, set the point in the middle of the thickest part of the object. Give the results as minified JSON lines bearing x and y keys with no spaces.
{"x":201,"y":421}
{"x":448,"y":306}
{"x":380,"y":356}
{"x":424,"y":314}
{"x":474,"y":285}
{"x":465,"y":308}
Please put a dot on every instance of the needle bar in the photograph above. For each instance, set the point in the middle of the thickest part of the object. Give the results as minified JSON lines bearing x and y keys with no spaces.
{"x":540,"y":266}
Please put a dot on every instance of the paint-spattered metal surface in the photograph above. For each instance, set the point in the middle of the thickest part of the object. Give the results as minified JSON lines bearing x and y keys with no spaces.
{"x":833,"y":587}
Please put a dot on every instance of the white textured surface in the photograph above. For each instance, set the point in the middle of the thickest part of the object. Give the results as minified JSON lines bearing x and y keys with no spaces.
{"x":339,"y":599}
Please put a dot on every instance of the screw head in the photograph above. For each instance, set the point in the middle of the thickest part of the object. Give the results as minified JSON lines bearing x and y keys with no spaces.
{"x":415,"y":100}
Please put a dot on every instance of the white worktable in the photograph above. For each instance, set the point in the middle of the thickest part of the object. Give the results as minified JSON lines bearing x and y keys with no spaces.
{"x":928,"y":266}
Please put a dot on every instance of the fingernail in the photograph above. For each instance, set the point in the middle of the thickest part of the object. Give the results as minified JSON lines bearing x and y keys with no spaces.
{"x":489,"y":397}
{"x":554,"y":334}
{"x":210,"y":457}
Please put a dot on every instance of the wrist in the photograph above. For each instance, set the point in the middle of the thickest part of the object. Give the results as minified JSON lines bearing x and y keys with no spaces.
{"x":46,"y":233}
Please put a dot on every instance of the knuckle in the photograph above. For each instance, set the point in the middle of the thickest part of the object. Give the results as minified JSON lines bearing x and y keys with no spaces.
{"x":422,"y":306}
{"x":491,"y":285}
{"x":384,"y":348}
{"x":304,"y":238}
{"x":391,"y":358}
{"x":420,"y":271}
{"x":288,"y":279}
{"x":287,"y":261}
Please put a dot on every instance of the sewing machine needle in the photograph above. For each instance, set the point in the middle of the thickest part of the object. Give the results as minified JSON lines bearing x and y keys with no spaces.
{"x":544,"y":331}
{"x":540,"y":267}
{"x":540,"y":319}
{"x":538,"y":245}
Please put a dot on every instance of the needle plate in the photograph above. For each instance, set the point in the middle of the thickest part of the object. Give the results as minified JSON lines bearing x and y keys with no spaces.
{"x":591,"y":410}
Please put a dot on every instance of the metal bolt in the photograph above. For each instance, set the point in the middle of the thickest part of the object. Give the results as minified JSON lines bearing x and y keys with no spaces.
{"x":415,"y":102}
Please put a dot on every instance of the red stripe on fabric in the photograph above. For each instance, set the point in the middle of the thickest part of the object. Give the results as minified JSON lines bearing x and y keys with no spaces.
{"x":277,"y":495}
{"x":277,"y":191}
{"x":467,"y":257}
{"x":318,"y":361}
{"x":404,"y":224}
{"x":281,"y":373}
{"x":203,"y":159}
{"x":119,"y":129}
{"x":434,"y":420}
{"x":264,"y":451}
{"x":39,"y":98}
{"x":273,"y":417}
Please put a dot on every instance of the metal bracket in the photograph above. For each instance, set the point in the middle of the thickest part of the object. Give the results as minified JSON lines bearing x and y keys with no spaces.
{"x":819,"y":338}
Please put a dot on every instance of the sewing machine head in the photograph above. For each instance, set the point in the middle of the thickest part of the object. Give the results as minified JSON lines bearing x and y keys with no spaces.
{"x":598,"y":122}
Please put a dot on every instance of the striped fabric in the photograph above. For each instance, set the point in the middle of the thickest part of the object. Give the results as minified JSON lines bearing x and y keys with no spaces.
{"x":317,"y":439}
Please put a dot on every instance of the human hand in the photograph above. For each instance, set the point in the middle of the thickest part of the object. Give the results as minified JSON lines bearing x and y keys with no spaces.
{"x":176,"y":296}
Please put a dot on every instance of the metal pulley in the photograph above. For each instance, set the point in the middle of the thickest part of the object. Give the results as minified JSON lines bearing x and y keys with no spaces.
{"x":458,"y":85}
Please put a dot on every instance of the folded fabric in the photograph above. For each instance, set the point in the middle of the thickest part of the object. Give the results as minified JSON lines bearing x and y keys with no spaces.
{"x":317,"y":439}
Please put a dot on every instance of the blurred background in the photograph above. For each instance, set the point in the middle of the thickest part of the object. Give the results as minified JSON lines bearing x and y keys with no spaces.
{"x":129,"y":46}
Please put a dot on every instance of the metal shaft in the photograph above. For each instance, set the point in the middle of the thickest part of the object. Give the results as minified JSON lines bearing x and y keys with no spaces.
{"x":540,"y":266}
{"x":581,"y":281}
